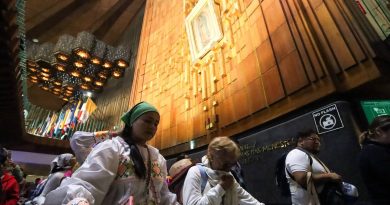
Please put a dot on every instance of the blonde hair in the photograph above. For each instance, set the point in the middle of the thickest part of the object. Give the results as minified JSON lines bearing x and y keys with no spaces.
{"x":223,"y":144}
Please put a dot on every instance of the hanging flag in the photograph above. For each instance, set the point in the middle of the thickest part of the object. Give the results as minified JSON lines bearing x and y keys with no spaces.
{"x":58,"y":124}
{"x":44,"y":123}
{"x":73,"y":122}
{"x":64,"y":119}
{"x":81,"y":111}
{"x":49,"y":132}
{"x":50,"y":125}
{"x":69,"y":118}
{"x":89,"y":108}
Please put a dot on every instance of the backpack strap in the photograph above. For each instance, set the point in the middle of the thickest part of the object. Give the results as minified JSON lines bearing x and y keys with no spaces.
{"x":308,"y":154}
{"x":310,"y":162}
{"x":203,"y":176}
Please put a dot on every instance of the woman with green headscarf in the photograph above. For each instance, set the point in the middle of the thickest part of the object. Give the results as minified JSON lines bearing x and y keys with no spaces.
{"x":117,"y":169}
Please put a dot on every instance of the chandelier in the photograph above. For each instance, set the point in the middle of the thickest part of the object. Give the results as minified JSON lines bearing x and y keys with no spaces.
{"x":75,"y":65}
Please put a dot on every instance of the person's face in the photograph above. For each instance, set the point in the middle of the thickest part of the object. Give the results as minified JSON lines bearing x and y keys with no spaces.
{"x":145,"y":127}
{"x":311,"y":143}
{"x":222,"y":161}
{"x":383,"y":134}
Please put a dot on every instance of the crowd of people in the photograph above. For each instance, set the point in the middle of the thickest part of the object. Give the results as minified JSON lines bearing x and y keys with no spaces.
{"x":121,"y":168}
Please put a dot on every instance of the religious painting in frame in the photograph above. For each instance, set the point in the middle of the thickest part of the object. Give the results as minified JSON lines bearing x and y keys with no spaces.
{"x":202,"y":28}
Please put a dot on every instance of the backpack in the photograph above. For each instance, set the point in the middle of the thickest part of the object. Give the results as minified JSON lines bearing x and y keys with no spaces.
{"x":177,"y":183}
{"x":280,"y":174}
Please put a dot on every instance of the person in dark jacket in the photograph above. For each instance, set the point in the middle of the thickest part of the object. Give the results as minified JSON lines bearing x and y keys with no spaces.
{"x":9,"y":193}
{"x":374,"y":160}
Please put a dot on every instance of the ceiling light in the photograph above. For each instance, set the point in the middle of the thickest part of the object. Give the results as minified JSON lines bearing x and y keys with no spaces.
{"x":73,"y":61}
{"x":45,"y":74}
{"x":122,"y":64}
{"x":75,"y":73}
{"x":79,"y":64}
{"x":117,"y":73}
{"x":87,"y":79}
{"x":47,"y":70}
{"x":60,"y":67}
{"x":107,"y":65}
{"x":98,"y":83}
{"x":57,"y":82}
{"x":44,"y":78}
{"x":96,"y":61}
{"x":84,"y":87}
{"x":83,"y":43}
{"x":32,"y":69}
{"x":122,"y":54}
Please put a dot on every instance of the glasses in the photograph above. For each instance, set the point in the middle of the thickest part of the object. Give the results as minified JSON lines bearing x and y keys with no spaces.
{"x":314,"y":139}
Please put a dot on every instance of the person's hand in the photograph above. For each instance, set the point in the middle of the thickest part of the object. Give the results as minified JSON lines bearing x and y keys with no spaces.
{"x":335,"y":177}
{"x":227,"y":181}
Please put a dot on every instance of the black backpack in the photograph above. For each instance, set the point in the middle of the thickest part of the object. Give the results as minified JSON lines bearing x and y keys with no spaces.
{"x":280,"y":175}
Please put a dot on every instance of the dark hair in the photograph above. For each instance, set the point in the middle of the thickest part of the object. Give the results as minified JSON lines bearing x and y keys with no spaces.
{"x":3,"y":155}
{"x":381,"y":122}
{"x":56,"y":168}
{"x":135,"y":155}
{"x":304,"y":134}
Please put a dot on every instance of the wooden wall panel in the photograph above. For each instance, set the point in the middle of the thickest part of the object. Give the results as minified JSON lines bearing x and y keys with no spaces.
{"x":266,"y":56}
{"x":273,"y":86}
{"x":275,"y":56}
{"x":293,"y":73}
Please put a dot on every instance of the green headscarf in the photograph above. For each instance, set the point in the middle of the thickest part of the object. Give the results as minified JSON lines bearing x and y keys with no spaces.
{"x":135,"y":112}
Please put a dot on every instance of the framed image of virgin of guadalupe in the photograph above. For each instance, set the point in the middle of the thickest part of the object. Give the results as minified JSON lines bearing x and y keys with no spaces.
{"x":202,"y":28}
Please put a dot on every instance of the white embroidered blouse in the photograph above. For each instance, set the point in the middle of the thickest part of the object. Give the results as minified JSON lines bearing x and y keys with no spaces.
{"x":107,"y":175}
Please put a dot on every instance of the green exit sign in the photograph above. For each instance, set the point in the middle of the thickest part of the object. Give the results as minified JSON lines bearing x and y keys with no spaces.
{"x":375,"y":108}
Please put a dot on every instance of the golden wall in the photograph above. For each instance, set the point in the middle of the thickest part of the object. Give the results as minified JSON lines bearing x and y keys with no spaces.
{"x":275,"y":56}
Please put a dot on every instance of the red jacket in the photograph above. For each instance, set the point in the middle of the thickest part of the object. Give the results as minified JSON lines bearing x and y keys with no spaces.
{"x":10,"y":190}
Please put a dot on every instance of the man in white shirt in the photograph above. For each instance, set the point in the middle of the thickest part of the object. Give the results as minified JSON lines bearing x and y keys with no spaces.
{"x":303,"y":169}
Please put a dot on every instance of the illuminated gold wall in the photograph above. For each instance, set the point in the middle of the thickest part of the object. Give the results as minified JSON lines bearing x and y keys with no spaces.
{"x":275,"y":56}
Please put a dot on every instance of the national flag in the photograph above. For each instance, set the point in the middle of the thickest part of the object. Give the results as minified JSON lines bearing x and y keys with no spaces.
{"x":74,"y":119}
{"x":81,"y":111}
{"x":50,"y":125}
{"x":58,"y":124}
{"x":69,"y":118}
{"x":90,"y":107}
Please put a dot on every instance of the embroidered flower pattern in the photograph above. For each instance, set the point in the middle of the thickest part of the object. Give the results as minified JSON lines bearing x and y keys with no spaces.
{"x":125,"y":167}
{"x":156,"y":169}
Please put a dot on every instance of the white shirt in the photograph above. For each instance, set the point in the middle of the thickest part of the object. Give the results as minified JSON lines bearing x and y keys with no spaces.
{"x":107,"y":177}
{"x":298,"y":160}
{"x":211,"y":195}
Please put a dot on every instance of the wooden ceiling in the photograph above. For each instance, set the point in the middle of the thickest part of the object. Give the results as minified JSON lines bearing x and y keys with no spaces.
{"x":46,"y":20}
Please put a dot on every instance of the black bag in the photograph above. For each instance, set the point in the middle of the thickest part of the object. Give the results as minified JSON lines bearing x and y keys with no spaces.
{"x":332,"y":194}
{"x":280,"y":176}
